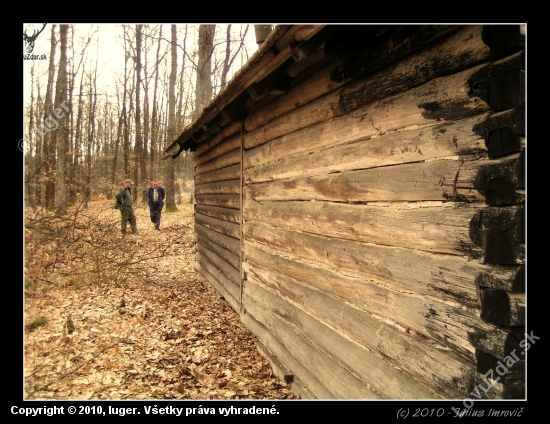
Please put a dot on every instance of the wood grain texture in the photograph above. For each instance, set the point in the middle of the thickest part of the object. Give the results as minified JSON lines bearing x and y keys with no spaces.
{"x":450,"y":325}
{"x":231,"y":201}
{"x":226,"y":132}
{"x":437,"y":228}
{"x":228,"y":243}
{"x":219,"y":187}
{"x":228,"y":256}
{"x":228,"y":145}
{"x":442,"y":98}
{"x":225,"y":214}
{"x":338,"y":380}
{"x":447,"y":277}
{"x":423,"y":357}
{"x":442,"y":140}
{"x":231,"y":172}
{"x":372,"y":367}
{"x":230,"y":158}
{"x":300,"y":370}
{"x":219,"y":282}
{"x":455,"y":180}
{"x":228,"y":228}
{"x":444,"y":57}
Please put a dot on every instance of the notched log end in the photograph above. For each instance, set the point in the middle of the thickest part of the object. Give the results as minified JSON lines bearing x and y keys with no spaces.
{"x":498,"y":182}
{"x":503,"y":39}
{"x":510,"y":371}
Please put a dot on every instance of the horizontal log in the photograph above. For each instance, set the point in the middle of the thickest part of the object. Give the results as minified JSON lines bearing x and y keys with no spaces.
{"x":226,"y":132}
{"x":447,"y":277}
{"x":442,"y":140}
{"x":228,"y":256}
{"x":503,"y":308}
{"x":229,"y":243}
{"x":226,"y":160}
{"x":393,"y":44}
{"x":442,"y":56}
{"x":216,"y":266}
{"x":231,"y":201}
{"x":453,"y":326}
{"x":225,"y":214}
{"x":442,"y":369}
{"x":341,"y":383}
{"x":443,"y":98}
{"x":301,"y":371}
{"x":219,"y":187}
{"x":455,"y":180}
{"x":437,"y":228}
{"x":373,"y":368}
{"x":228,"y":228}
{"x":500,"y":232}
{"x":221,"y":287}
{"x":228,"y":173}
{"x":228,"y":145}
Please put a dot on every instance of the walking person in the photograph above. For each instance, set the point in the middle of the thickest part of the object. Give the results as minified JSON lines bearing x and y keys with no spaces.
{"x":125,"y":200}
{"x":156,"y":202}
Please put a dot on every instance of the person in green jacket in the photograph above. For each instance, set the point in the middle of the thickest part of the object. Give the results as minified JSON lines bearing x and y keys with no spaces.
{"x":124,"y":199}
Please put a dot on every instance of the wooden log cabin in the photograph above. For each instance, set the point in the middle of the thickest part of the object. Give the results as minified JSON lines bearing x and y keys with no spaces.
{"x":360,"y":202}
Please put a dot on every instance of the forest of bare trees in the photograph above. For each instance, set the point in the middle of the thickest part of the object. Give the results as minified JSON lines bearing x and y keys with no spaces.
{"x":92,"y":120}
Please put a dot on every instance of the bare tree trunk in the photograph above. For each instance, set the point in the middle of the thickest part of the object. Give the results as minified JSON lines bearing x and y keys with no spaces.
{"x":60,"y":111}
{"x":138,"y":147}
{"x":30,"y":157}
{"x":262,"y":31}
{"x":91,"y":137}
{"x":125,"y":118}
{"x":228,"y":61}
{"x":39,"y":157}
{"x":47,"y":127}
{"x":116,"y":148}
{"x":203,"y":87}
{"x":78,"y":144}
{"x":171,"y":135}
{"x":146,"y":134}
{"x":154,"y":117}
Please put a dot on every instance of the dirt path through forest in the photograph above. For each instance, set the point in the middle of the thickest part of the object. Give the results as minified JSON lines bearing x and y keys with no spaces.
{"x":166,"y":335}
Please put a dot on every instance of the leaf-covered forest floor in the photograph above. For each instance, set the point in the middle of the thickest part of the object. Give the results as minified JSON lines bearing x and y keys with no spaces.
{"x":118,"y":317}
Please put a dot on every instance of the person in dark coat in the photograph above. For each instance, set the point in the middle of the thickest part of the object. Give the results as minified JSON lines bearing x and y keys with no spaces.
{"x":124,"y":198}
{"x":156,"y":202}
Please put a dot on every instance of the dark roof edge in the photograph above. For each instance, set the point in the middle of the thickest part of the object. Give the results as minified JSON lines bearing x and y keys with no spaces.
{"x":217,"y":103}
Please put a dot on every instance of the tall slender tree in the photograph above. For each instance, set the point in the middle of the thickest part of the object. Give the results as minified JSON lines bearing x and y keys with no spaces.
{"x":138,"y":143}
{"x":48,"y":140}
{"x":61,"y":134}
{"x":203,"y":87}
{"x":171,"y":133}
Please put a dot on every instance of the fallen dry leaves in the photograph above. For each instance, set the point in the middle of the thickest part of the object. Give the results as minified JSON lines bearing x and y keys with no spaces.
{"x":162,"y":334}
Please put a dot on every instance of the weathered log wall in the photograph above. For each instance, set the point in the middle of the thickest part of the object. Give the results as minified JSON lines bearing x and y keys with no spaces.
{"x":382,"y":237}
{"x":218,"y":213}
